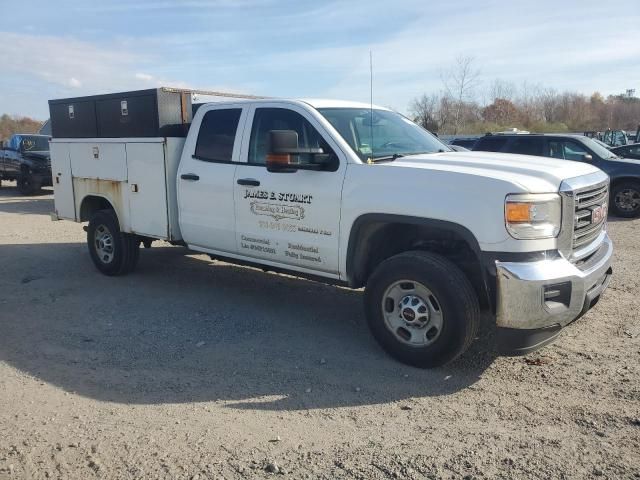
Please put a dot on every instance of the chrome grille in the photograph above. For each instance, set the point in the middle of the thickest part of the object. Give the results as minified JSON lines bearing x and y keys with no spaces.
{"x":586,"y":228}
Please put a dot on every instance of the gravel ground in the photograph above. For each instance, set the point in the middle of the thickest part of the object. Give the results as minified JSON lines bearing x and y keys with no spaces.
{"x":192,"y":369}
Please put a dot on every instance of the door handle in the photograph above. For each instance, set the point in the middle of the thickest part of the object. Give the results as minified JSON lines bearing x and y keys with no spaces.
{"x":190,"y":176}
{"x":249,"y":182}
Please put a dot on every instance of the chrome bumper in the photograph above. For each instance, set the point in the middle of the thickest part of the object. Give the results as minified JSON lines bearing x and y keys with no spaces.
{"x":535,"y":295}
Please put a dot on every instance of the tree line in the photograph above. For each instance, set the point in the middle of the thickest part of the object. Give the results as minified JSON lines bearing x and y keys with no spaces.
{"x":464,"y":106}
{"x":10,"y":124}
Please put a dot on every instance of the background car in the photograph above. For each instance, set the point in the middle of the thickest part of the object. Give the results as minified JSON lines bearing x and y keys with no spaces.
{"x":458,"y":148}
{"x":624,"y":174}
{"x":628,"y":151}
{"x":467,"y":143}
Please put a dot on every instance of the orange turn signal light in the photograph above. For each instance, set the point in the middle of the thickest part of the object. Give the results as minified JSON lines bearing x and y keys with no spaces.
{"x":518,"y":212}
{"x":277,"y":159}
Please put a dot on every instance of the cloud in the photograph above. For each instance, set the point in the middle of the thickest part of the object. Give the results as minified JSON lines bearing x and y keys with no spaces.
{"x":293,"y":48}
{"x":65,"y":61}
{"x":144,"y":77}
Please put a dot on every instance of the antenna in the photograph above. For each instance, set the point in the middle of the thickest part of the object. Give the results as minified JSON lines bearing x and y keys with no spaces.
{"x":371,"y":101}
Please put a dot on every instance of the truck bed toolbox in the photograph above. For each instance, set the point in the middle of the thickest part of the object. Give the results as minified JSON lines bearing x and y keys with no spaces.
{"x":159,"y":112}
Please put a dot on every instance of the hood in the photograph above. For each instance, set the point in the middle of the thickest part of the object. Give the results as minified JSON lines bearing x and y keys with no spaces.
{"x":37,"y":154}
{"x":533,"y":174}
{"x":630,"y":161}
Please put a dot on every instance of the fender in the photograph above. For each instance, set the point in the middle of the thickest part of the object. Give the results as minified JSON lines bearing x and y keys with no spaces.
{"x":361,"y":223}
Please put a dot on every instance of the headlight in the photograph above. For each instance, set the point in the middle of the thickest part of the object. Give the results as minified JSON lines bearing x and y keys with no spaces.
{"x":533,"y":215}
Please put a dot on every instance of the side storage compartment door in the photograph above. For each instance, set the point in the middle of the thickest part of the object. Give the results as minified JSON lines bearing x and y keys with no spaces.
{"x":100,"y":160}
{"x":62,"y":181}
{"x":147,"y":192}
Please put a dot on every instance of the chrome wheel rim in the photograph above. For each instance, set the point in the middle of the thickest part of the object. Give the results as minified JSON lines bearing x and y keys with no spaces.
{"x":103,"y":244}
{"x":628,"y":200}
{"x":412,"y":313}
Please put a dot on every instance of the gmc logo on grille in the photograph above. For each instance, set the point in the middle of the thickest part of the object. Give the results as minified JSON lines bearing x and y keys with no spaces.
{"x":599,"y":213}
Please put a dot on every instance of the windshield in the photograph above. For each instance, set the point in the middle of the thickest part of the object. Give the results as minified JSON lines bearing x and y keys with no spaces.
{"x":381,"y":135}
{"x":598,"y":149}
{"x":34,"y":143}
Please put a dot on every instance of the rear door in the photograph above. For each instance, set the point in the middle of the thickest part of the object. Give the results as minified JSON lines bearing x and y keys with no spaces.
{"x":62,"y":181}
{"x":288,"y":218}
{"x":206,"y":178}
{"x":491,"y":143}
{"x":527,"y":145}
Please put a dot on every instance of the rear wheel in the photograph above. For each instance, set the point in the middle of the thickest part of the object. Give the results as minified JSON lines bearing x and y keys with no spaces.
{"x":112,"y":251}
{"x":625,"y":199}
{"x":421,"y":308}
{"x":26,"y":184}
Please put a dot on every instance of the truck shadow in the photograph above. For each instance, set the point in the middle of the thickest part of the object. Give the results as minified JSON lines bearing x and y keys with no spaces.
{"x":12,"y":202}
{"x":184,"y":329}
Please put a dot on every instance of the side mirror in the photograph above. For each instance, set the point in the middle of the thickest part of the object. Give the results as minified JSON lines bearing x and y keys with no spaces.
{"x":283,"y":151}
{"x":587,"y":158}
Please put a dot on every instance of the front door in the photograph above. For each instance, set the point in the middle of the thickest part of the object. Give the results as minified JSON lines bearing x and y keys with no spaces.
{"x":289,"y":218}
{"x":206,"y":179}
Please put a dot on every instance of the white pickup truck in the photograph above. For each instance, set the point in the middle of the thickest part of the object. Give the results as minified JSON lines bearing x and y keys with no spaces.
{"x":360,"y":196}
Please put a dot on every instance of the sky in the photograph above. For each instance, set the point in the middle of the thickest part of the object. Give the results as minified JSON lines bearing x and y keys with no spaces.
{"x":316,"y":49}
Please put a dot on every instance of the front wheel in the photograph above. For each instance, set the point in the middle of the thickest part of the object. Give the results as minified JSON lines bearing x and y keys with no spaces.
{"x":112,"y":251}
{"x":421,"y":308}
{"x":625,"y":199}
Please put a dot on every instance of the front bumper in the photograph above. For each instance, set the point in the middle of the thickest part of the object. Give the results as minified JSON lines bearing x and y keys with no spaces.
{"x":536,"y":299}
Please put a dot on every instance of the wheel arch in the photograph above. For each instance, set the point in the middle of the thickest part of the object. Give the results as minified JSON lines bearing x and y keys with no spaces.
{"x":92,"y":203}
{"x":375,"y":237}
{"x":625,"y":178}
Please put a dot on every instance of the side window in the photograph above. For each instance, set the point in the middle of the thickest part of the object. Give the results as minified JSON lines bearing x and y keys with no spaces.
{"x":267,"y":119}
{"x":217,"y":135}
{"x":491,"y":144}
{"x":556,"y":149}
{"x":527,"y":146}
{"x":567,"y":150}
{"x":574,"y":151}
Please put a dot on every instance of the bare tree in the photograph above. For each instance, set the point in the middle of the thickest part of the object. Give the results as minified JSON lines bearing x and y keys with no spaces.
{"x":425,"y":110}
{"x":501,"y":89}
{"x":459,"y":84}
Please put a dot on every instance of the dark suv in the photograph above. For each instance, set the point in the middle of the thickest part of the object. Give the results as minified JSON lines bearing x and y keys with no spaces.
{"x":624,"y":174}
{"x":26,"y":159}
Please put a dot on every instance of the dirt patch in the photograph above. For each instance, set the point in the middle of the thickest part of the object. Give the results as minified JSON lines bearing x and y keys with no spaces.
{"x":196,"y":369}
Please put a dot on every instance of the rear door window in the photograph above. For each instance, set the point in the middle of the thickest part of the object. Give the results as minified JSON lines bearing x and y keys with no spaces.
{"x":527,"y":146}
{"x":491,"y":144}
{"x":217,"y":135}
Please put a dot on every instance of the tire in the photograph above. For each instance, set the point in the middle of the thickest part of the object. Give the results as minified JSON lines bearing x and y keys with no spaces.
{"x":625,"y":199}
{"x":27,"y":185}
{"x":112,"y":251}
{"x":435,"y":330}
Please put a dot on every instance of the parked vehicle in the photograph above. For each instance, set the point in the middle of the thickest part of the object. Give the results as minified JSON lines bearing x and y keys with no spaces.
{"x":464,"y":142}
{"x":459,"y":148}
{"x":628,"y":151}
{"x":624,"y":174}
{"x":350,"y":194}
{"x":615,"y":138}
{"x":25,"y":158}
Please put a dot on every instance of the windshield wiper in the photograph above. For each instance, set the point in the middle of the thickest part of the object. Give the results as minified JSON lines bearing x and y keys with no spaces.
{"x":386,"y":158}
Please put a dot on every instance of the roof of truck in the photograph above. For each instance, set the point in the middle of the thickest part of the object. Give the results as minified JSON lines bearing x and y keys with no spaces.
{"x":314,"y":102}
{"x":329,"y":103}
